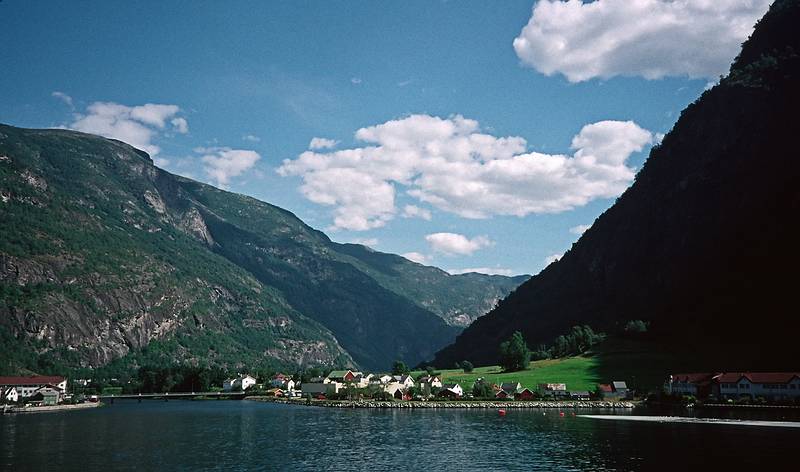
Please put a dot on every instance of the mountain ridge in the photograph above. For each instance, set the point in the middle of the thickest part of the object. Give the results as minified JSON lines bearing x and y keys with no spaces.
{"x":694,"y":246}
{"x":105,"y":256}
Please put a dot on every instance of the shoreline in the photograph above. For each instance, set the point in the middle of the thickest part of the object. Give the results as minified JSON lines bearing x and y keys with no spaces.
{"x":48,"y":409}
{"x":475,"y":404}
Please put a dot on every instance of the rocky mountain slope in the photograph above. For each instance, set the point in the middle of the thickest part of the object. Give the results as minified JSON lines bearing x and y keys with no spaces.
{"x":703,"y":244}
{"x":104,"y":256}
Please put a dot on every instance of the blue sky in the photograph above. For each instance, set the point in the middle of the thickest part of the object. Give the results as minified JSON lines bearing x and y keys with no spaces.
{"x":495,"y":141}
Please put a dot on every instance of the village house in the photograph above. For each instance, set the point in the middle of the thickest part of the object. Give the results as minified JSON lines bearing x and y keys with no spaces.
{"x":733,"y":385}
{"x":362,"y":380}
{"x":453,"y":390}
{"x":27,"y":386}
{"x":428,"y":382}
{"x":240,"y":382}
{"x":46,"y":396}
{"x":380,"y":379}
{"x":396,"y":390}
{"x":580,"y":395}
{"x":10,"y":395}
{"x":549,"y":389}
{"x":406,"y":380}
{"x":342,"y":376}
{"x":283,"y":382}
{"x":523,"y":393}
{"x":510,"y":387}
{"x":616,"y":390}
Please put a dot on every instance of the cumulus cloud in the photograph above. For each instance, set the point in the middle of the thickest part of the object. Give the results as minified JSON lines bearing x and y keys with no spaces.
{"x":180,"y":124}
{"x":413,"y":211}
{"x":137,"y":125}
{"x":580,"y":229}
{"x":457,"y":244}
{"x":221,"y":164}
{"x":251,"y":138}
{"x":64,"y":98}
{"x":417,"y":257}
{"x":552,"y":258}
{"x":648,"y":38}
{"x":482,"y":270}
{"x":450,"y":164}
{"x":322,"y":143}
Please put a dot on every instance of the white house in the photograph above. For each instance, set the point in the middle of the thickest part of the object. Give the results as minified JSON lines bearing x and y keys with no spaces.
{"x":406,"y":380}
{"x":451,"y":390}
{"x":242,"y":382}
{"x":10,"y":395}
{"x":27,"y":386}
{"x":429,"y":382}
{"x":395,"y":389}
{"x":770,"y":385}
{"x":380,"y":379}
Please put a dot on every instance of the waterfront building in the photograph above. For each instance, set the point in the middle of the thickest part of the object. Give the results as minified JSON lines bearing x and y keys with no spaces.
{"x":549,"y":388}
{"x":10,"y":395}
{"x":523,"y":393}
{"x":451,"y":390}
{"x":27,"y":386}
{"x":342,"y":376}
{"x":428,"y":382}
{"x":240,"y":382}
{"x":510,"y":387}
{"x":733,"y":385}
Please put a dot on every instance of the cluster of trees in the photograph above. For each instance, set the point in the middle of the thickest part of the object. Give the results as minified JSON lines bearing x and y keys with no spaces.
{"x":515,"y":354}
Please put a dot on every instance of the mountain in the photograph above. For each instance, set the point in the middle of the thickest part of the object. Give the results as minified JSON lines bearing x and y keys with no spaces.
{"x":704,"y":244}
{"x":105,"y":257}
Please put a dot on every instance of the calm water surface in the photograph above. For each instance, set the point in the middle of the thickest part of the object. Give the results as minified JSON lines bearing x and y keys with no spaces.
{"x":245,"y":435}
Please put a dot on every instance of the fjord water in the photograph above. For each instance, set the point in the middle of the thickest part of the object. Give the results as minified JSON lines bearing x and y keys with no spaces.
{"x":247,"y":435}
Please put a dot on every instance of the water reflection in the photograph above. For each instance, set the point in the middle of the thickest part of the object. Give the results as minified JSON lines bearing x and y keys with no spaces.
{"x":229,"y":435}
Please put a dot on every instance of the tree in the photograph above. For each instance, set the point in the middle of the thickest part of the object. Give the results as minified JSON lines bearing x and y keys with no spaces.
{"x":514,"y":353}
{"x":430,"y":370}
{"x":482,"y":389}
{"x":467,"y":366}
{"x":400,"y":368}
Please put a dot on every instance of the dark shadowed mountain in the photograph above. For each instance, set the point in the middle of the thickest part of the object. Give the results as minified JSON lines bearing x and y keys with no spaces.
{"x":104,"y":256}
{"x":704,"y":244}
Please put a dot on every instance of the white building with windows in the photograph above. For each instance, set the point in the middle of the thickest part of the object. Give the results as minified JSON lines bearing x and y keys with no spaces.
{"x":27,"y":386}
{"x":241,"y":382}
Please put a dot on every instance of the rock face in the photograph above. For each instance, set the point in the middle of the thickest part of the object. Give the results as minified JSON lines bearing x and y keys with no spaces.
{"x":699,"y":244}
{"x":104,"y":257}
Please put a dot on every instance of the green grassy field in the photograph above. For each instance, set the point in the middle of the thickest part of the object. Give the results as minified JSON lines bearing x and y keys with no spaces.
{"x":644,"y":366}
{"x":577,"y":372}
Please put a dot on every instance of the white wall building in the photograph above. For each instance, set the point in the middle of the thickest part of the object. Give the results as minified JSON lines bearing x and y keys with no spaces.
{"x":27,"y":386}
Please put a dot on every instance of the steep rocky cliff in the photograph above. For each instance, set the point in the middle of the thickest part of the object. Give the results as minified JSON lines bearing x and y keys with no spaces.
{"x":104,"y":256}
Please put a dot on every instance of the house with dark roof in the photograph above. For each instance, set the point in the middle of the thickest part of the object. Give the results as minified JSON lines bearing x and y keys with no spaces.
{"x":510,"y":387}
{"x":523,"y":393}
{"x":769,"y":385}
{"x":732,"y":385}
{"x":453,"y":390}
{"x":27,"y":386}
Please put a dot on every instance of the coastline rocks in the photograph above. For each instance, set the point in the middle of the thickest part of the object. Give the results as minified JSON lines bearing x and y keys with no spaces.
{"x":450,"y":404}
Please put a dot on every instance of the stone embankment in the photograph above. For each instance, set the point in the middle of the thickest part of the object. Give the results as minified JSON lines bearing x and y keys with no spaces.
{"x":477,"y":404}
{"x":47,"y":409}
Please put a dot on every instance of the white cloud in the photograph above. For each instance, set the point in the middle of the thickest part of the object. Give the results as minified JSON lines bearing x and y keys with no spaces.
{"x":552,"y":258}
{"x":482,"y":270}
{"x":648,"y":38}
{"x":137,"y":126}
{"x":417,"y":257}
{"x":457,"y":244}
{"x":180,"y":124}
{"x":222,"y":164}
{"x":251,"y":138}
{"x":450,"y":164}
{"x":413,"y":211}
{"x":64,"y":98}
{"x":355,"y":80}
{"x":580,"y":229}
{"x":322,"y":143}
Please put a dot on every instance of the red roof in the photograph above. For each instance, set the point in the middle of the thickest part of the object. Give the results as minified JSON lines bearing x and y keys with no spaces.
{"x":38,"y":379}
{"x":758,"y":377}
{"x":605,"y":388}
{"x":704,"y":378}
